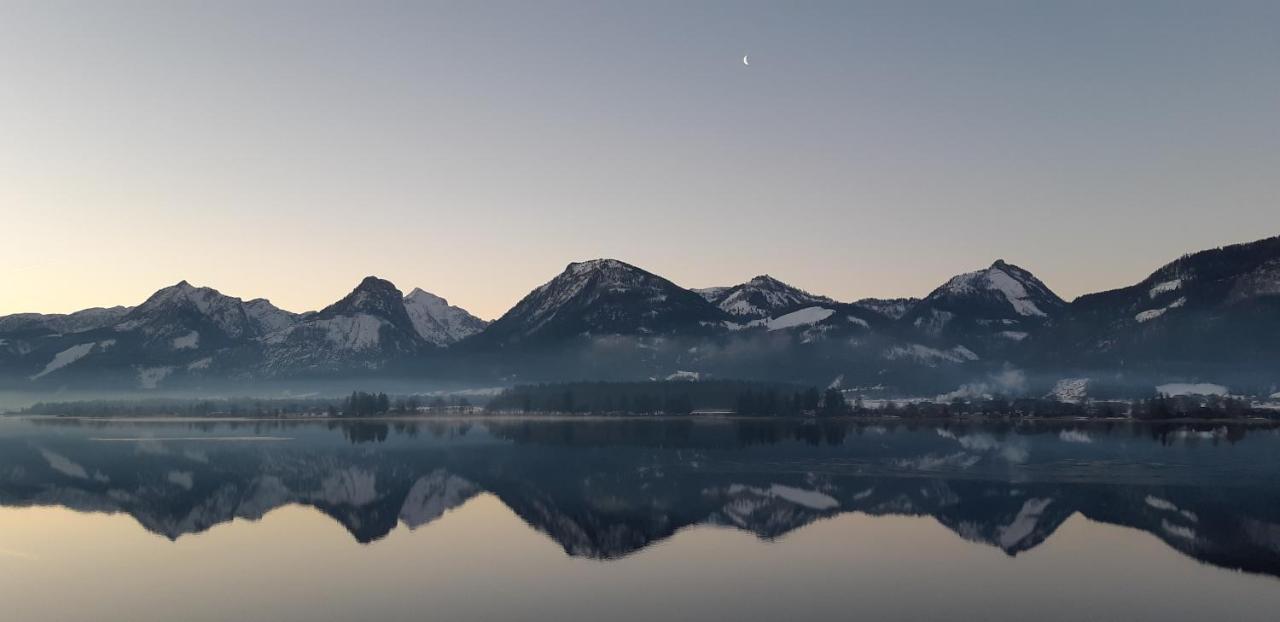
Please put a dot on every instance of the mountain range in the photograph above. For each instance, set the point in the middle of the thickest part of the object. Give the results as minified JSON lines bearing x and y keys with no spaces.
{"x":1210,"y":316}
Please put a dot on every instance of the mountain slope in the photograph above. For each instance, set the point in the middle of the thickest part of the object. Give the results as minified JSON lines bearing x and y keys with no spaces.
{"x":437,"y":321}
{"x":179,"y":330}
{"x":1218,"y":308}
{"x":602,"y":297}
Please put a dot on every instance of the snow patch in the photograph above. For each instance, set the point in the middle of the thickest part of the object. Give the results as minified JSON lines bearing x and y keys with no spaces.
{"x":182,"y":479}
{"x":189,"y":341}
{"x":64,"y":358}
{"x":1191,"y":388}
{"x":350,"y":486}
{"x":150,"y":377}
{"x":1023,"y":524}
{"x":1070,"y":390}
{"x":811,"y":499}
{"x":1014,"y":292}
{"x":930,"y":356}
{"x":1177,"y":530}
{"x":356,"y":332}
{"x":1167,"y":286}
{"x":1074,"y":436}
{"x":1152,"y":314}
{"x":64,"y":465}
{"x":803,"y":317}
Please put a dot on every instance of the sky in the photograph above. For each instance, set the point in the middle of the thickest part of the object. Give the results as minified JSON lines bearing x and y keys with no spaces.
{"x":287,"y":149}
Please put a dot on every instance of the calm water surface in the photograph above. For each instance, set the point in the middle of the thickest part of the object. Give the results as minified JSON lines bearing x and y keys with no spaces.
{"x":636,"y":520}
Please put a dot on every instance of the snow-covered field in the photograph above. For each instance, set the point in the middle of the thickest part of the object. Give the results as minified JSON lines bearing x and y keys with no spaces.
{"x":1198,"y":388}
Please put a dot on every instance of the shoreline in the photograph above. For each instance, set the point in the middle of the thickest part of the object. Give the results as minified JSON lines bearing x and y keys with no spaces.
{"x":562,"y":417}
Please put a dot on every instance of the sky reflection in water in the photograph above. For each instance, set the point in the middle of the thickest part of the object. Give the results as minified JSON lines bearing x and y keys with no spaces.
{"x":636,"y":520}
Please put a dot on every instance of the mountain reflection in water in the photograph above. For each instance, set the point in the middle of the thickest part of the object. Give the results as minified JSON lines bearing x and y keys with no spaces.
{"x":605,"y":489}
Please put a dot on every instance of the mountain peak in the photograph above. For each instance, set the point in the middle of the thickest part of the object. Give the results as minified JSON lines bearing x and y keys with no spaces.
{"x":373,"y":282}
{"x":765,"y":279}
{"x":1001,"y":291}
{"x":603,"y":297}
{"x":597,"y":265}
{"x":183,"y":309}
{"x":373,"y":295}
{"x":763,"y":296}
{"x":183,"y":293}
{"x":437,"y":321}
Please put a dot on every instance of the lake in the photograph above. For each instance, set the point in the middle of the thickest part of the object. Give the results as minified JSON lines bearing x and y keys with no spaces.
{"x":634,"y":519}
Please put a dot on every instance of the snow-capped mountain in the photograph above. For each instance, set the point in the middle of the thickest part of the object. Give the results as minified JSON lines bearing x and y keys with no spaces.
{"x":602,"y":297}
{"x":996,"y":307}
{"x":1001,"y":290}
{"x":762,"y":297}
{"x":437,"y":321}
{"x":370,"y":328}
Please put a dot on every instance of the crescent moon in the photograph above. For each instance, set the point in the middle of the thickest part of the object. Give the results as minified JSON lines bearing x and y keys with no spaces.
{"x":744,"y":60}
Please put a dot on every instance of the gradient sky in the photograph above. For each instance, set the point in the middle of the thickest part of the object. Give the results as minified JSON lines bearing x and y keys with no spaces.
{"x":287,"y":149}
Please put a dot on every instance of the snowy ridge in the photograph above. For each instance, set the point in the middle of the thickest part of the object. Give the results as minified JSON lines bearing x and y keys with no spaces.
{"x":761,"y":297}
{"x":893,"y":308}
{"x":608,"y":316}
{"x":437,"y":321}
{"x":63,"y":323}
{"x":607,"y":274}
{"x":266,"y":317}
{"x":156,"y":315}
{"x":710,"y":294}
